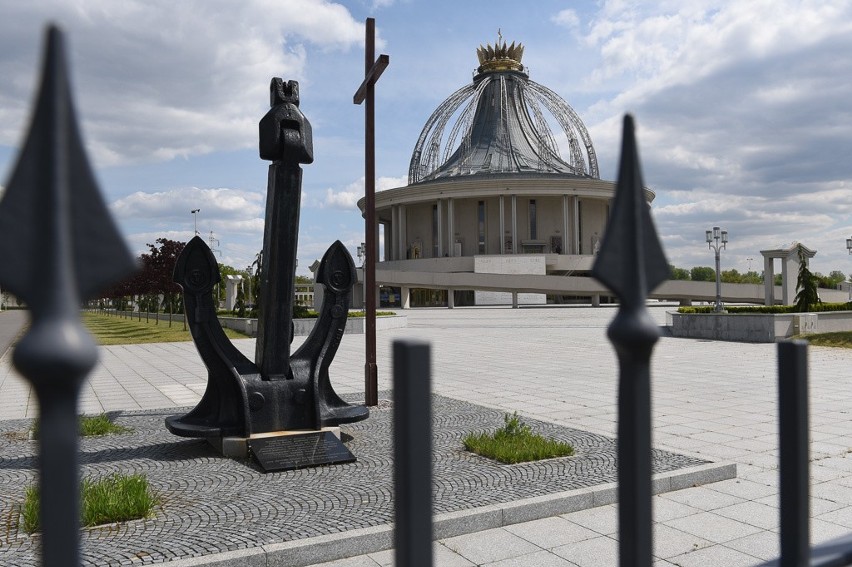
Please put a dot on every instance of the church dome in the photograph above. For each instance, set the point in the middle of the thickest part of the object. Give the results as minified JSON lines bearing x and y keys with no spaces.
{"x":499,"y":125}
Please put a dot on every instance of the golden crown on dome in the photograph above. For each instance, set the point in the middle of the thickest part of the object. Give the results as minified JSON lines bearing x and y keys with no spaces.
{"x":500,"y":57}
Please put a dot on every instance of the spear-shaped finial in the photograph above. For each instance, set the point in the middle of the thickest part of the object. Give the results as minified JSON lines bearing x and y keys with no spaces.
{"x":630,"y":263}
{"x":59,"y":246}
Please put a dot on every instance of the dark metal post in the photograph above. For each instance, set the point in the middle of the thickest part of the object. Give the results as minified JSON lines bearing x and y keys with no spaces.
{"x":59,"y":246}
{"x":793,"y":441}
{"x":412,"y":416}
{"x":630,"y":263}
{"x":366,"y":93}
{"x":371,"y":388}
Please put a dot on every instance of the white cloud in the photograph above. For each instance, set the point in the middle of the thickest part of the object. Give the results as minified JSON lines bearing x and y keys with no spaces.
{"x":232,"y":204}
{"x":740,"y":109}
{"x":347,"y":198}
{"x":566,"y":18}
{"x":157,"y":79}
{"x":383,"y":183}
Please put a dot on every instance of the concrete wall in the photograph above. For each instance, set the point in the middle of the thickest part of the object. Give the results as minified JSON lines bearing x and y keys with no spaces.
{"x":757,"y":328}
{"x":593,"y":217}
{"x":465,"y":225}
{"x":418,"y":222}
{"x":509,"y":264}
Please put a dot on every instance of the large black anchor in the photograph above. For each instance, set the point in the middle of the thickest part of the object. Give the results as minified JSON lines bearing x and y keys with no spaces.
{"x":278,"y":391}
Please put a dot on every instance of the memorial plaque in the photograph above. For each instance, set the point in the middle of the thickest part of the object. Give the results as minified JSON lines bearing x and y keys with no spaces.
{"x":288,"y":452}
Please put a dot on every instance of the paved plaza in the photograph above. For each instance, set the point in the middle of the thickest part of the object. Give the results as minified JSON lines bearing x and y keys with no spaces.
{"x":712,"y":400}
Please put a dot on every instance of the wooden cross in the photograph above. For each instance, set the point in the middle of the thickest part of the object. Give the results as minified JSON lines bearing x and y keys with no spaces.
{"x":373,"y":69}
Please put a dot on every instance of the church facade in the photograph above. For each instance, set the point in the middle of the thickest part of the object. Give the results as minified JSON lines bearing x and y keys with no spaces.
{"x":503,"y":181}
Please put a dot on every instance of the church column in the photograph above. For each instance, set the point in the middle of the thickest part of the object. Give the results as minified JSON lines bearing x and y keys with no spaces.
{"x":393,"y":245}
{"x":575,"y":216}
{"x":565,"y":239}
{"x":768,"y":281}
{"x":502,"y":225}
{"x":402,"y":232}
{"x":440,"y":229}
{"x":451,"y":226}
{"x":788,"y":279}
{"x":514,"y":224}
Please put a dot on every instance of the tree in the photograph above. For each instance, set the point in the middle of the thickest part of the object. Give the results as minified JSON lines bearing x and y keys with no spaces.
{"x":731,"y":276}
{"x":832,"y":280}
{"x":703,"y":274}
{"x":806,"y":285}
{"x":160,"y":267}
{"x":751,"y":278}
{"x":678,"y":273}
{"x":240,"y":303}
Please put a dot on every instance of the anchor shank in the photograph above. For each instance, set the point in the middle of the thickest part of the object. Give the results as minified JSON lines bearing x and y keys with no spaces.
{"x":278,"y":270}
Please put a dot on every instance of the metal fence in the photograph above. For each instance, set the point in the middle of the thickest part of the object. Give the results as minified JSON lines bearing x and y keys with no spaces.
{"x":75,"y":250}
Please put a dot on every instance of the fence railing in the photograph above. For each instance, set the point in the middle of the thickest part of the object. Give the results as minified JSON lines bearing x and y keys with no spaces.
{"x":74,"y":250}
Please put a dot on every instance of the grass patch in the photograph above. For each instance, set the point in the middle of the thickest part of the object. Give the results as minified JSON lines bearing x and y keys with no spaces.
{"x":90,"y":426}
{"x":515,"y":443}
{"x":115,"y":498}
{"x":111,"y":330}
{"x":841,"y":339}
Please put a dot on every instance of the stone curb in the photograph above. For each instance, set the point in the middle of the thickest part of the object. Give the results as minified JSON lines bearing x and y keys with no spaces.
{"x":305,"y":552}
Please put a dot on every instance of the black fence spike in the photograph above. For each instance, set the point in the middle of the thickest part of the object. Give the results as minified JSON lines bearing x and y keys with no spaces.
{"x":412,"y":449}
{"x":59,"y":246}
{"x":793,"y":441}
{"x":630,"y":263}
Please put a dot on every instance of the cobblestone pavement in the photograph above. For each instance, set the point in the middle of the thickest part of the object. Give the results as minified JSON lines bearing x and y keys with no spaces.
{"x":712,"y":400}
{"x":205,"y":496}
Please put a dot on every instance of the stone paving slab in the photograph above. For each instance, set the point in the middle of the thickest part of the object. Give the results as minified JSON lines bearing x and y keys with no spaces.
{"x":217,"y":511}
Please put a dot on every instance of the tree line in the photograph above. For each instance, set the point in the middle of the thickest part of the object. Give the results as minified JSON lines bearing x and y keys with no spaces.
{"x":152,"y":289}
{"x":708,"y":274}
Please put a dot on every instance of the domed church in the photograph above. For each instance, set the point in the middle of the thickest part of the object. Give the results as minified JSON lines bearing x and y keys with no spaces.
{"x":504,"y":197}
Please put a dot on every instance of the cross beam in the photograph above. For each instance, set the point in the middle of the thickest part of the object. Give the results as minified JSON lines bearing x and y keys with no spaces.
{"x":373,"y":74}
{"x":373,"y":69}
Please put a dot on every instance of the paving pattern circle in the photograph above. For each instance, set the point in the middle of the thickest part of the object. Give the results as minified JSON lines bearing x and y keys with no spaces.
{"x":211,"y":504}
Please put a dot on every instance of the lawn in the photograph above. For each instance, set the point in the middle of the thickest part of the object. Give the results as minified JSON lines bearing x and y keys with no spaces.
{"x":111,"y":330}
{"x":841,"y":339}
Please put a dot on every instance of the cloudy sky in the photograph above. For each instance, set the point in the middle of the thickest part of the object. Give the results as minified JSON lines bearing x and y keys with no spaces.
{"x":744,"y":109}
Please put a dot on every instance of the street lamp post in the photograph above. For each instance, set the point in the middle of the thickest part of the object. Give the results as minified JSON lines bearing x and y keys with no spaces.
{"x":849,"y":249}
{"x":716,"y":240}
{"x":195,"y":219}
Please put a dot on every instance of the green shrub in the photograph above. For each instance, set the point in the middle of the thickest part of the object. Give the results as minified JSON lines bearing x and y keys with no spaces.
{"x":515,"y":443}
{"x":776,"y":309}
{"x":115,"y":498}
